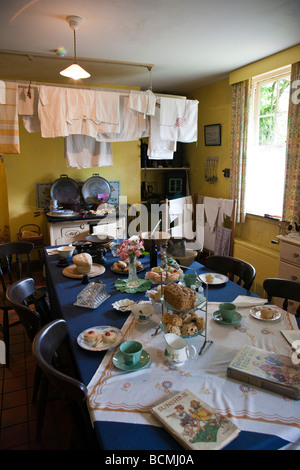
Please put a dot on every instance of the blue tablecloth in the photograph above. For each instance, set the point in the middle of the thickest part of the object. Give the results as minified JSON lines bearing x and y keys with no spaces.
{"x":63,"y":293}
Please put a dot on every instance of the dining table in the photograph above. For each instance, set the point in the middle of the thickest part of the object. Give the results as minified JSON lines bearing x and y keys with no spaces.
{"x":120,"y":401}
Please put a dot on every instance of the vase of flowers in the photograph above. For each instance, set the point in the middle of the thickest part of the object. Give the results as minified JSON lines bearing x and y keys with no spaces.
{"x":131,"y":249}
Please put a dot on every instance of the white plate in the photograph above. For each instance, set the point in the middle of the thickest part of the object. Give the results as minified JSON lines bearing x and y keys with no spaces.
{"x":123,"y":305}
{"x":217,"y":279}
{"x":158,"y":282}
{"x":138,"y":269}
{"x":256,"y":313}
{"x":101,"y":346}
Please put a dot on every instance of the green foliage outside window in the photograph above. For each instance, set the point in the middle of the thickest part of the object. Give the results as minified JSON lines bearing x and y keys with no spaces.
{"x":273,"y":112}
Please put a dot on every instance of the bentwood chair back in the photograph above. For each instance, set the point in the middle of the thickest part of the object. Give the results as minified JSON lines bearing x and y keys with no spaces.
{"x":236,"y":269}
{"x":17,"y":295}
{"x":47,"y":347}
{"x":283,"y":289}
{"x":12,"y":256}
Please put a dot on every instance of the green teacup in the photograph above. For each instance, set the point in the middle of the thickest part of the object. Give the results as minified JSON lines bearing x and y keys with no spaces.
{"x":131,"y":351}
{"x":190,"y":279}
{"x":228,"y":311}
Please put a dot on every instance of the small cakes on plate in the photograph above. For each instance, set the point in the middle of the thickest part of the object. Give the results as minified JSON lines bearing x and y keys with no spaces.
{"x":109,"y":337}
{"x":90,"y":336}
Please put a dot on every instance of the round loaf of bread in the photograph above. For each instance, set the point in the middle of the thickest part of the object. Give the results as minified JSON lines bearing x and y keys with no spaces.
{"x":83,"y":262}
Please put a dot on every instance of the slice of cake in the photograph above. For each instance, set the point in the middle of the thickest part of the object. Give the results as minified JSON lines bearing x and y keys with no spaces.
{"x":179,"y":297}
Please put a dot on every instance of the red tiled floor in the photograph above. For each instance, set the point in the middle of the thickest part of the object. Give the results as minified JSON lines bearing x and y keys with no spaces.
{"x":18,"y":414}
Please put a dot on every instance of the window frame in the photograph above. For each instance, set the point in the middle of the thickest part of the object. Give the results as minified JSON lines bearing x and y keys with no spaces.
{"x":254,"y":115}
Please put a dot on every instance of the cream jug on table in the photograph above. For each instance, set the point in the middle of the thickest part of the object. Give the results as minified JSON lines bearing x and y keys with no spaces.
{"x":177,"y":350}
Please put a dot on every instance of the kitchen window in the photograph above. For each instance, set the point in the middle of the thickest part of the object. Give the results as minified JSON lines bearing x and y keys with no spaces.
{"x":266,"y":153}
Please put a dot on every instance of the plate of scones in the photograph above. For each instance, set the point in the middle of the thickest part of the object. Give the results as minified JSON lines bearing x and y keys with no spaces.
{"x":100,"y":338}
{"x":122,"y":267}
{"x":186,"y":325}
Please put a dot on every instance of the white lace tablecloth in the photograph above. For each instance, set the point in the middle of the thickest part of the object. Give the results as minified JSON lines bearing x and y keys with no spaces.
{"x":128,"y":397}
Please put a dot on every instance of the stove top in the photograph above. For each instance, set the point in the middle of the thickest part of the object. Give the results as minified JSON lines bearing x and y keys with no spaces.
{"x":81,"y":215}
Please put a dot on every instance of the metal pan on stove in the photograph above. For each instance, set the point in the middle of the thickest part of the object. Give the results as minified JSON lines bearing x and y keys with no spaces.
{"x":96,"y":190}
{"x":65,"y":190}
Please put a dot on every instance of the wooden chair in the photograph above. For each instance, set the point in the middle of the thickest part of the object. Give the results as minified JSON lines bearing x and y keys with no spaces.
{"x":283,"y":289}
{"x":234,"y":268}
{"x":47,"y":343}
{"x":12,"y":256}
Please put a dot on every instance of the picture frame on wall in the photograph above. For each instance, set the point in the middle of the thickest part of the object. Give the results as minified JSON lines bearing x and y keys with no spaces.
{"x":212,"y":134}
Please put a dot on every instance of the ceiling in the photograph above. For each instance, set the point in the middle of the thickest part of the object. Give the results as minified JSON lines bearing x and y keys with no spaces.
{"x":190,"y":43}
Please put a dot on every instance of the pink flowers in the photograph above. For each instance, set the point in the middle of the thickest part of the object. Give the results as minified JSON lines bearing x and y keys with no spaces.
{"x":132,"y":247}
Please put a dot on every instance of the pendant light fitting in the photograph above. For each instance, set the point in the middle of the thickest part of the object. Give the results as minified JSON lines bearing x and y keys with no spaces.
{"x":74,"y":71}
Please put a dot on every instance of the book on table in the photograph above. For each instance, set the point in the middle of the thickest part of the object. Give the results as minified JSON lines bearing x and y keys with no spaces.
{"x":267,"y":370}
{"x":193,"y":423}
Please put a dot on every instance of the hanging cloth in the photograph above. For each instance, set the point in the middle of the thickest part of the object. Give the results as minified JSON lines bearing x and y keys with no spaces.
{"x":159,"y":149}
{"x":82,"y":151}
{"x":9,"y":124}
{"x":142,"y":101}
{"x":179,"y":119}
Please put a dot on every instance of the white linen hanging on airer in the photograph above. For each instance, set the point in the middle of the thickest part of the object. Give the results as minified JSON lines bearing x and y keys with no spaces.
{"x":83,"y":151}
{"x":159,"y":149}
{"x":179,"y":119}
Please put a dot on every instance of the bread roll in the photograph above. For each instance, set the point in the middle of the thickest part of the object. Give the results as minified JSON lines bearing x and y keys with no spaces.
{"x":83,"y":262}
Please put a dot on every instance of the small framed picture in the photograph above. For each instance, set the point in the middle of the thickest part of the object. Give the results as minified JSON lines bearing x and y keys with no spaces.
{"x":212,"y":134}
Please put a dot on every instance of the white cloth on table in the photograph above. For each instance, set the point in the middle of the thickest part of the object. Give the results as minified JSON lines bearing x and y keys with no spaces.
{"x":83,"y":151}
{"x":114,"y":395}
{"x":179,"y":119}
{"x":243,"y":301}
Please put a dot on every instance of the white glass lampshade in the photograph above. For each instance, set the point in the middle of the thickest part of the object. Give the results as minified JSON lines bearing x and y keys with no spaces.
{"x":75,"y":71}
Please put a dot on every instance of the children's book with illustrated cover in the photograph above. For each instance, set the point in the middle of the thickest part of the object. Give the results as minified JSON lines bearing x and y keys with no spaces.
{"x":193,"y":423}
{"x":267,"y":370}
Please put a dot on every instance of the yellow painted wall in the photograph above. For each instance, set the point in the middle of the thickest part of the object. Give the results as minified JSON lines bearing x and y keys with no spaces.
{"x":214,"y":108}
{"x":42,"y":160}
{"x":256,"y":232}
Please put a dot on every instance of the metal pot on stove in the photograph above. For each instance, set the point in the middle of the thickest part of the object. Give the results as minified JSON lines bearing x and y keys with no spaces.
{"x":66,"y":192}
{"x":96,"y":191}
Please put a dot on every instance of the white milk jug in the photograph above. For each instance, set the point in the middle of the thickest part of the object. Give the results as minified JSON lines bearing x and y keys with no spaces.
{"x":177,"y":350}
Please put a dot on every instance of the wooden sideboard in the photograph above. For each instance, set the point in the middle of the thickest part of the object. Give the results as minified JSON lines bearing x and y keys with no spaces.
{"x":289,"y":265}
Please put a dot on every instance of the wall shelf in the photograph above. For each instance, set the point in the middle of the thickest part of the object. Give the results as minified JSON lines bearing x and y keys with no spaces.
{"x":167,"y":169}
